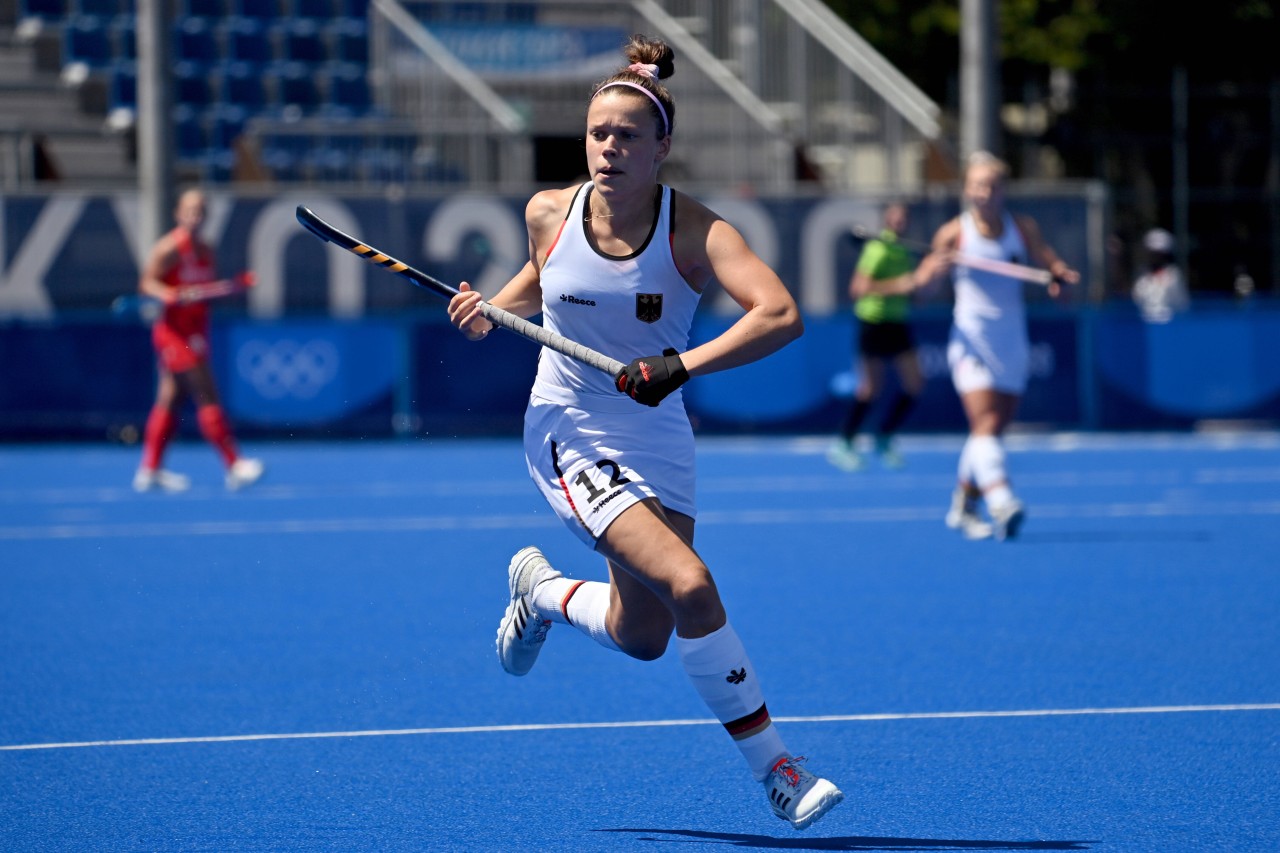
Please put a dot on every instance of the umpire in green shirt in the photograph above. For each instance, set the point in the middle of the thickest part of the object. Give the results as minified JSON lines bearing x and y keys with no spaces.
{"x":881,"y":289}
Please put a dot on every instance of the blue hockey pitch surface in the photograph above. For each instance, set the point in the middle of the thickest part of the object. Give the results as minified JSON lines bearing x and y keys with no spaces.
{"x":309,"y":664}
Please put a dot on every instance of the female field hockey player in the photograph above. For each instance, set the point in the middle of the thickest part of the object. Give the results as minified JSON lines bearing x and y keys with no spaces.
{"x":988,"y":351}
{"x":618,"y":264}
{"x":181,"y":338}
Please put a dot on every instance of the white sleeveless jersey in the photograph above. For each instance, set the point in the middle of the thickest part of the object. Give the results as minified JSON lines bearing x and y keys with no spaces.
{"x":624,"y":307}
{"x":990,"y":313}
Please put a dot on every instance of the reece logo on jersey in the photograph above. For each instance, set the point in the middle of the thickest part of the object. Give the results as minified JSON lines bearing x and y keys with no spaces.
{"x":573,"y":300}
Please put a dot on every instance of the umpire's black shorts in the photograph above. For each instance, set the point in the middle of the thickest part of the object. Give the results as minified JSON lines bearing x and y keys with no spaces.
{"x":884,"y":340}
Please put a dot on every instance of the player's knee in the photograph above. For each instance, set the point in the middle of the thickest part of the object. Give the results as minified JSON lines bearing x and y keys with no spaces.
{"x":694,"y":596}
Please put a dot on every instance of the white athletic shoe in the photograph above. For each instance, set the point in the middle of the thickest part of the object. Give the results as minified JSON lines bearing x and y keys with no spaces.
{"x":146,"y":479}
{"x":1008,"y":518}
{"x":797,"y":795}
{"x":522,"y":631}
{"x":842,"y":455}
{"x":244,"y":472}
{"x":963,"y":516}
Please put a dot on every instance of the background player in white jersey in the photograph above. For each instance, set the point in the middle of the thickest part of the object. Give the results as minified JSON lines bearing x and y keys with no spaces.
{"x":618,"y":264}
{"x":988,"y":351}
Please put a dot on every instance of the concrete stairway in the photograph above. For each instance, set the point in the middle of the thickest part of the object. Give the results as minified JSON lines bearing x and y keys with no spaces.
{"x":53,"y":134}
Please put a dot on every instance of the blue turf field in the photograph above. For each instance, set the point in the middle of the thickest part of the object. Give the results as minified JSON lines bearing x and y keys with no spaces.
{"x":309,"y":665}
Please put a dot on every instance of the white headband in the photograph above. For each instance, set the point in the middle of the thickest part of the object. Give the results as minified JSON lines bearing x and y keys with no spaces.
{"x":666,"y":123}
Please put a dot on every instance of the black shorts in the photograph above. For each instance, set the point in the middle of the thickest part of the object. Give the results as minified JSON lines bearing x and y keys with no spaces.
{"x":884,"y":340}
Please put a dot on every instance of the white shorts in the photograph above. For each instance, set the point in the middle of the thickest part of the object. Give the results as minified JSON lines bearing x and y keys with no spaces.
{"x":977,"y":366}
{"x":590,"y":466}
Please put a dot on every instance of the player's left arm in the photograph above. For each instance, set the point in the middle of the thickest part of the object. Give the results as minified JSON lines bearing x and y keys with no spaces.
{"x":1044,"y":255}
{"x":706,"y":248}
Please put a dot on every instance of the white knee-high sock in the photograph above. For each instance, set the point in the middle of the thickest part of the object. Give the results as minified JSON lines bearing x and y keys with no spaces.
{"x":718,"y":666}
{"x":582,"y":604}
{"x":986,"y":455}
{"x":964,"y":470}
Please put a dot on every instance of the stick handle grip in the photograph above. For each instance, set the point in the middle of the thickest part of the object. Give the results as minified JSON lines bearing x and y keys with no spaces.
{"x":549,"y":339}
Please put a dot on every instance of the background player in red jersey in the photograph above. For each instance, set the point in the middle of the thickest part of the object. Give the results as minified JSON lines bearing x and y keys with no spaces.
{"x":180,"y":334}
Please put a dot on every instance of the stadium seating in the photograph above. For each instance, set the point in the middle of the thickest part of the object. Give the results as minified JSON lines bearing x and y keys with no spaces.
{"x":313,"y":10}
{"x":350,"y":40}
{"x":248,"y":40}
{"x":194,"y":40}
{"x":191,"y":140}
{"x":302,"y":41}
{"x":210,"y":9}
{"x":192,"y":86}
{"x":48,"y":10}
{"x":349,"y":90}
{"x":122,"y":86}
{"x":234,"y":61}
{"x":102,"y":9}
{"x":87,"y":40}
{"x":265,"y":10}
{"x":298,"y":91}
{"x":228,"y":122}
{"x":244,"y":86}
{"x":124,"y":38}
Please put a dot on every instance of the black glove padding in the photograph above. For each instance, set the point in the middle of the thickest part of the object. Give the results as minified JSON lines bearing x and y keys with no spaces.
{"x":651,"y":378}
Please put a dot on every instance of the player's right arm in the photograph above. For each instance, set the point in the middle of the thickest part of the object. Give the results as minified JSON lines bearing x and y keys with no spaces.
{"x":522,"y":295}
{"x":936,"y":265}
{"x":159,"y":262}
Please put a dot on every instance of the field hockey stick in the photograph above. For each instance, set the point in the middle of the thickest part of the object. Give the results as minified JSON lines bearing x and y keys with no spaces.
{"x":149,"y":307}
{"x":1035,"y":275}
{"x":495,"y":315}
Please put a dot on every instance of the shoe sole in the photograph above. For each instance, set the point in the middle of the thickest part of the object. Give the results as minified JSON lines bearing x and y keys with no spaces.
{"x":504,"y":626}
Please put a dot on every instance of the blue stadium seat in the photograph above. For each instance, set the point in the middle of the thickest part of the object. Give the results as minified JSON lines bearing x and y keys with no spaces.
{"x":104,"y":9}
{"x":195,"y":41}
{"x":350,"y":38}
{"x":266,"y":10}
{"x":192,"y":85}
{"x":521,"y":13}
{"x":298,"y":88}
{"x":381,"y":165}
{"x":244,"y":85}
{"x":303,"y":42}
{"x":87,"y":40}
{"x":349,"y":89}
{"x":328,"y":163}
{"x":48,"y":10}
{"x":189,"y":136}
{"x":313,"y":10}
{"x":214,"y":9}
{"x":354,"y":9}
{"x":285,"y":155}
{"x":122,"y":86}
{"x":248,"y":40}
{"x":124,"y":34}
{"x":228,"y":123}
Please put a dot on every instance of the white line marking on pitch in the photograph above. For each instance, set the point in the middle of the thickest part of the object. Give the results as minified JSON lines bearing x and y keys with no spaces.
{"x":635,"y":724}
{"x":771,"y":515}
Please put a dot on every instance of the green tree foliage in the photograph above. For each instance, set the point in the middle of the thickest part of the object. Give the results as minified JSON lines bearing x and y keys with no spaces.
{"x":1138,"y":39}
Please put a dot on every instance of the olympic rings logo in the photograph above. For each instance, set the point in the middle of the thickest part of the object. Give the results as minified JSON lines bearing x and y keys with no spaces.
{"x":287,"y":368}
